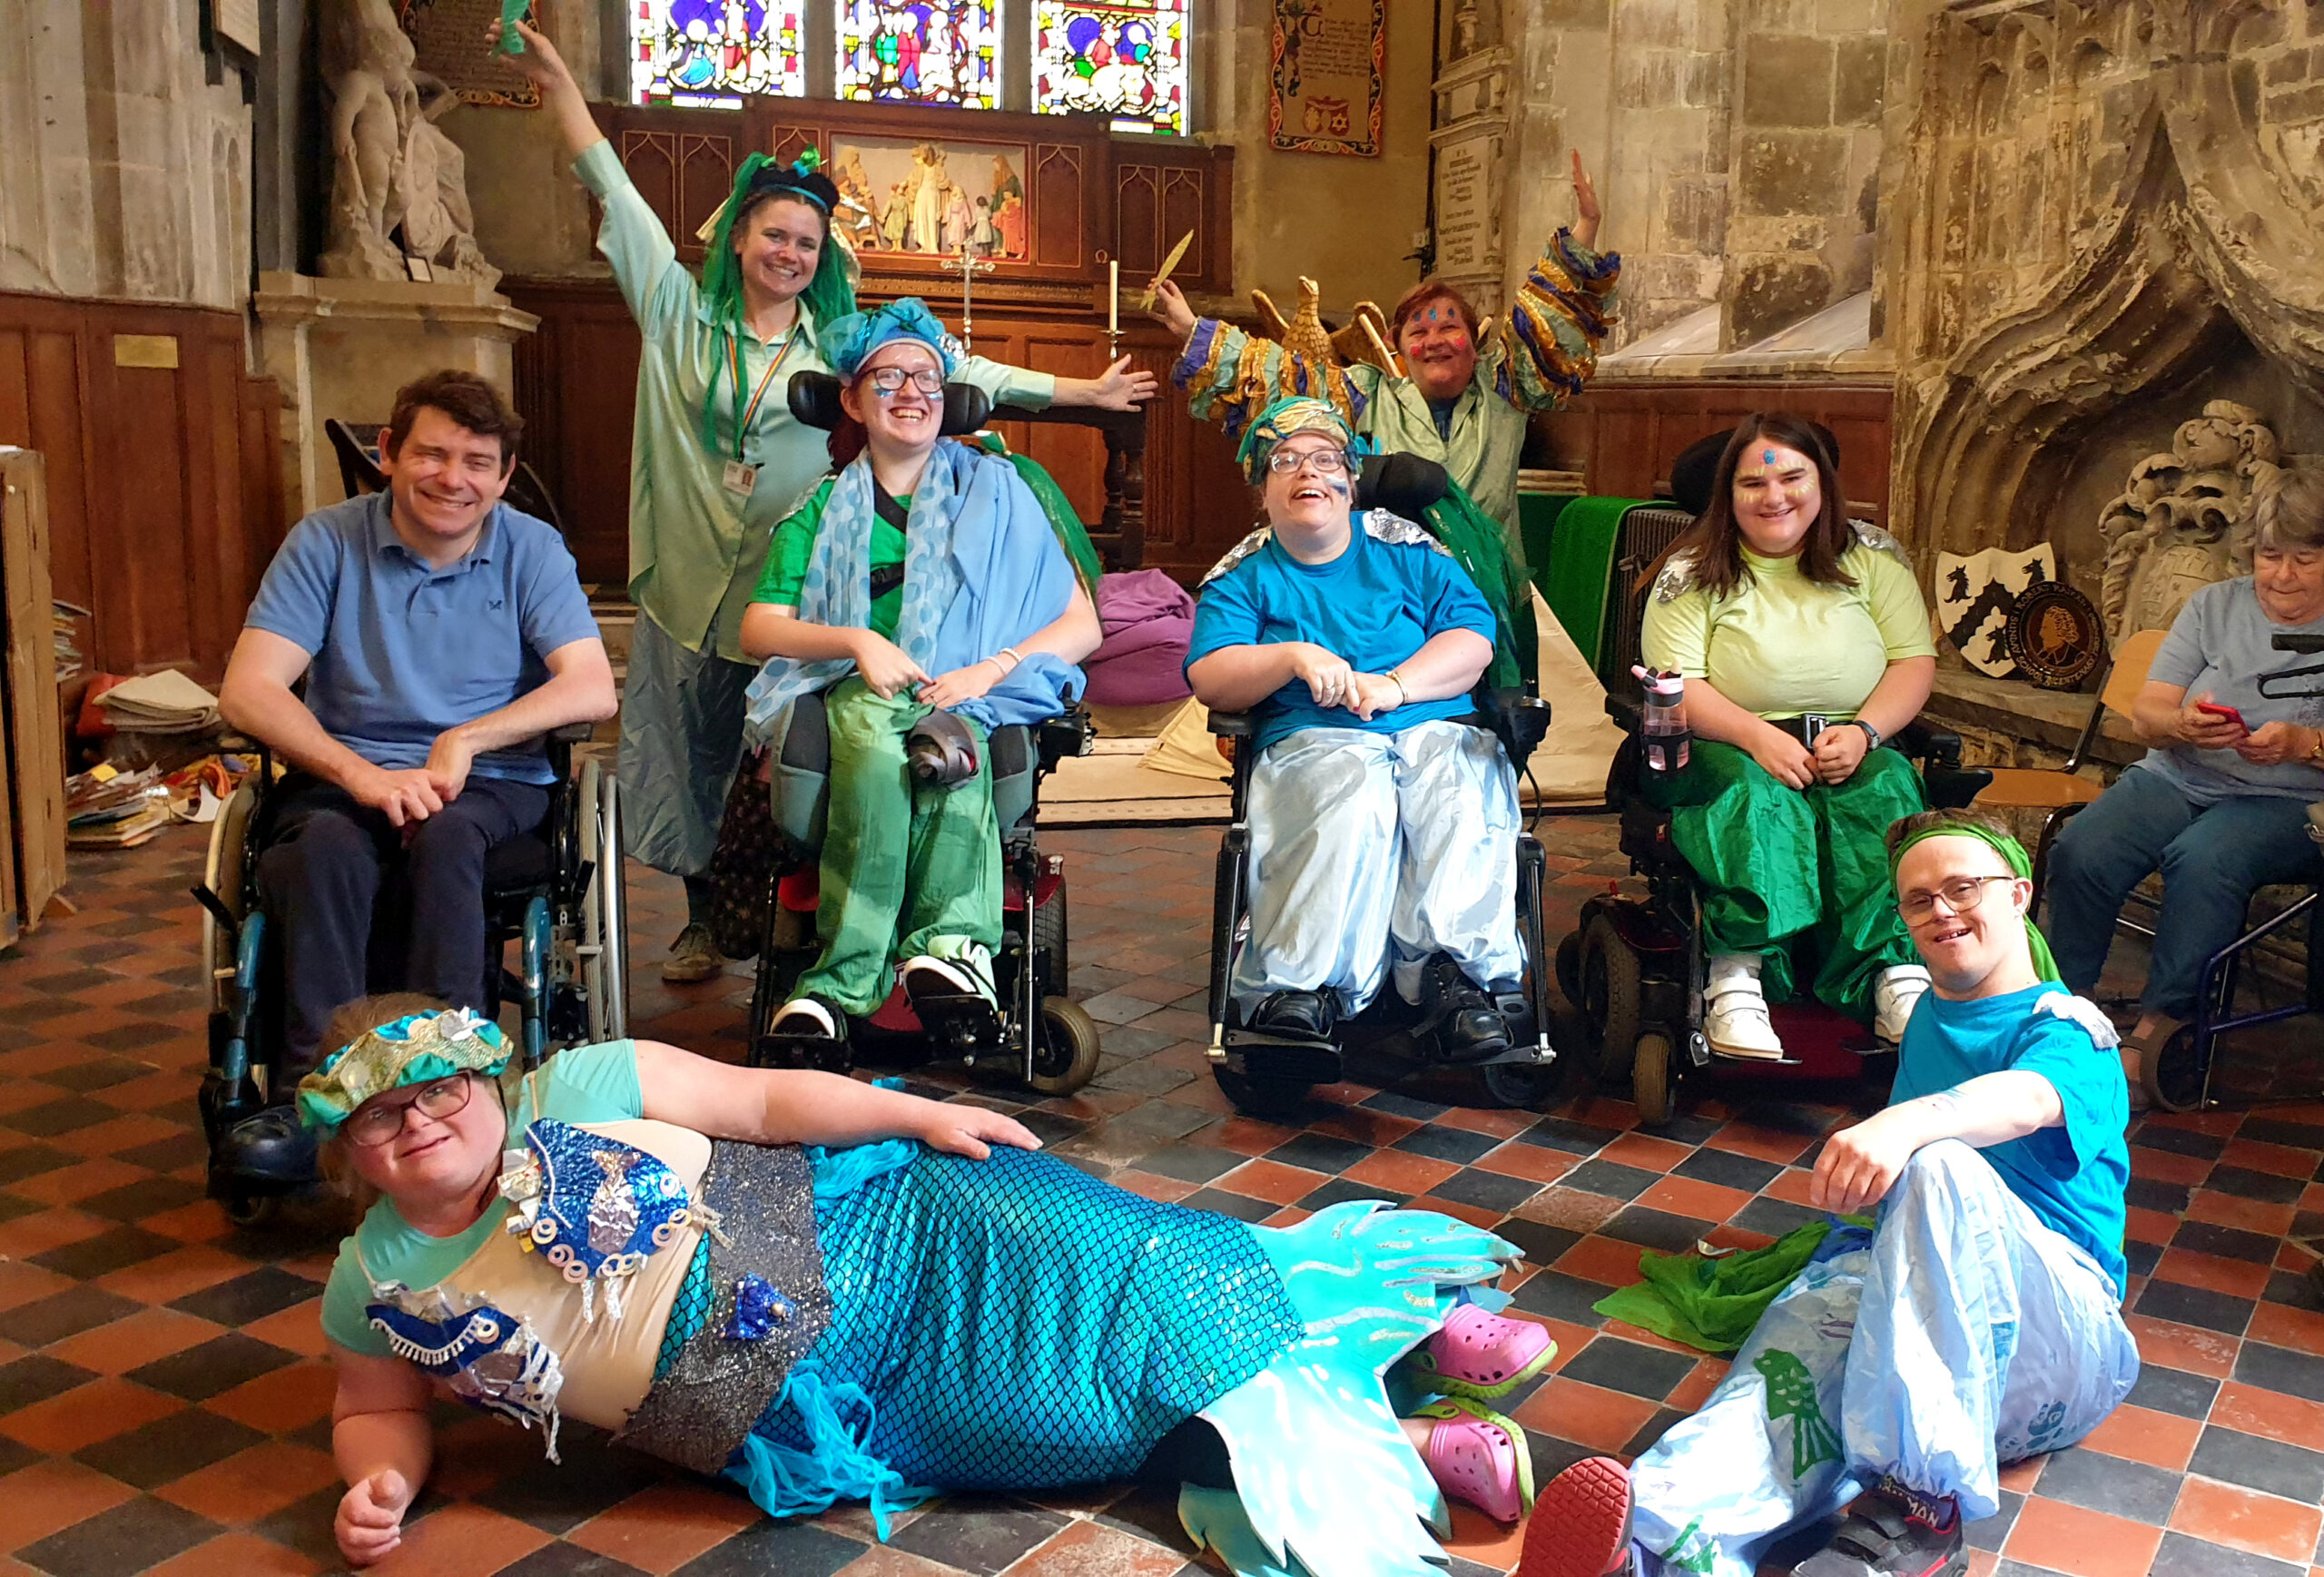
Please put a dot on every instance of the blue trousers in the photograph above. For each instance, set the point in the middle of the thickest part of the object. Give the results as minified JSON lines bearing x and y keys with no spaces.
{"x":2211,"y":858}
{"x":1965,"y":1335}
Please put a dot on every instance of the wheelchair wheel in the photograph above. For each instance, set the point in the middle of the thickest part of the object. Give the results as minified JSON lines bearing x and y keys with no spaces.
{"x":252,"y":1212}
{"x":2172,"y":1076}
{"x":1066,"y":1049}
{"x":1570,"y":966}
{"x":1609,"y":996}
{"x":1650,"y":1079}
{"x":1049,"y":935}
{"x":1518,"y":1084}
{"x":605,"y":930}
{"x":1262,"y":1097}
{"x":225,"y":872}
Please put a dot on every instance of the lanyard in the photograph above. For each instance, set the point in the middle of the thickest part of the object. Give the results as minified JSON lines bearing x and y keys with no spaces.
{"x":744,"y":417}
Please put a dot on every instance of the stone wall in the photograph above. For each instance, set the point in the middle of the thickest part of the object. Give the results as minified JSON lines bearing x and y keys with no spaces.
{"x":123,"y":173}
{"x":2101,"y":214}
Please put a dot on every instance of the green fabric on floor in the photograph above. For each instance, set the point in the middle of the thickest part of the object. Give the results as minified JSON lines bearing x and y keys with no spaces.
{"x":1712,"y":1304}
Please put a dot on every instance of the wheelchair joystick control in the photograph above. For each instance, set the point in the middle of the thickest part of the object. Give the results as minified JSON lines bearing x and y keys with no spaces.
{"x":1664,"y":738}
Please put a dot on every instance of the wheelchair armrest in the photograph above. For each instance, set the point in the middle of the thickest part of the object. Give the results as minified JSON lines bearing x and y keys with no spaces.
{"x":573,"y":733}
{"x":1067,"y":734}
{"x":1627,"y":715}
{"x":1939,"y":748}
{"x":1233,"y":725}
{"x":1521,"y":720}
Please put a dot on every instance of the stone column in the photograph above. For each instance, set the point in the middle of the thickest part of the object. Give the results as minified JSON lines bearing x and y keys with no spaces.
{"x":1471,"y":143}
{"x":341,"y":348}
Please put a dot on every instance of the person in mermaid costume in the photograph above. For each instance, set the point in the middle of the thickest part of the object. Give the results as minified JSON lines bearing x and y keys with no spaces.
{"x":827,"y":1290}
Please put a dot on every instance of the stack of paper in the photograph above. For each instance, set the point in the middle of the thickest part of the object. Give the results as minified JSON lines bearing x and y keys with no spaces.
{"x":64,"y":617}
{"x":164,"y":703}
{"x":106,"y":809}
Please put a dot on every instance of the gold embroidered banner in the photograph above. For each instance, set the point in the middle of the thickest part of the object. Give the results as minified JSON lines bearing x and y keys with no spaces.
{"x":1326,"y":59}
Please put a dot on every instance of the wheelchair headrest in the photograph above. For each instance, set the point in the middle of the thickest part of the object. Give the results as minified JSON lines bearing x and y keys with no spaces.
{"x":814,"y":402}
{"x":1695,"y":470}
{"x":1403,"y":484}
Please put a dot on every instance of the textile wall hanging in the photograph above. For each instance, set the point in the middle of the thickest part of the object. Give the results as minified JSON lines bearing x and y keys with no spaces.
{"x":448,"y":40}
{"x":1325,"y":58}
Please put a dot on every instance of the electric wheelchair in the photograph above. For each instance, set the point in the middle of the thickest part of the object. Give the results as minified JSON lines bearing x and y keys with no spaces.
{"x":557,"y":891}
{"x":1037,"y":1035}
{"x":1268,"y":1074}
{"x":1633,"y":967}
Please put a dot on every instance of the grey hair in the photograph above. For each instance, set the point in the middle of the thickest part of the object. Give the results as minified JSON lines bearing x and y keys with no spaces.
{"x":2287,"y":508}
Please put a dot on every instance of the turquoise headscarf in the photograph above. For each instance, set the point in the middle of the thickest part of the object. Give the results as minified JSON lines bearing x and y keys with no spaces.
{"x":848,"y":342}
{"x":1293,"y":413}
{"x":830,"y":294}
{"x":2013,"y":853}
{"x":412,"y":1049}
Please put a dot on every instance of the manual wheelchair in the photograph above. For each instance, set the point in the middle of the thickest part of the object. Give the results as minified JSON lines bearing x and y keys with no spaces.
{"x":558,"y":892}
{"x":1037,"y":1035}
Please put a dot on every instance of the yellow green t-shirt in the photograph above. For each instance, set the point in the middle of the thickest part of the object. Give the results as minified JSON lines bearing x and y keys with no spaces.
{"x":794,"y":545}
{"x":1781,"y":645}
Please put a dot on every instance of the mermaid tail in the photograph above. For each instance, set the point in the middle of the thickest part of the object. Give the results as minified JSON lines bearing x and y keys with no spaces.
{"x":1371,"y":1284}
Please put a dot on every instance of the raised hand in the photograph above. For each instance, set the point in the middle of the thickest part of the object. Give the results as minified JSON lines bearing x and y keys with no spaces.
{"x":1586,"y":212}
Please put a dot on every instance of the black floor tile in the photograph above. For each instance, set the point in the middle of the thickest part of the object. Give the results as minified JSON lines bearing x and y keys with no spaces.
{"x":2227,"y":1242}
{"x":1396,"y":1105}
{"x":168,"y":1155}
{"x":248,"y":1298}
{"x":2173,"y":1391}
{"x":2270,"y":1368}
{"x":97,"y":1073}
{"x":1339,"y":1190}
{"x":1773,"y":1218}
{"x":63,"y":1315}
{"x":1191,"y":1163}
{"x":2180,"y":1141}
{"x":214,"y":1367}
{"x":563,"y":1559}
{"x":2147,"y":1194}
{"x":2113,"y":1484}
{"x":1611,"y":1178}
{"x":1652,"y":1430}
{"x":557,"y":1497}
{"x":977,"y":1533}
{"x":1319,"y":1152}
{"x":2294,"y":1289}
{"x":1993,"y":1531}
{"x":36,"y":1378}
{"x":2247,"y":1184}
{"x":1559,"y":1296}
{"x":1541,"y":1243}
{"x":2140,"y":1257}
{"x":1226,"y":1203}
{"x":31,"y":1160}
{"x":2275,"y":1467}
{"x":2195,"y":1305}
{"x":2299,"y":1136}
{"x":146,"y":1196}
{"x":167,"y":1450}
{"x":1631,"y":1367}
{"x":1456,"y":1145}
{"x":1728,"y":1170}
{"x":1486,"y":1191}
{"x":1657,"y":1230}
{"x":129,"y":1538}
{"x":105,"y":1253}
{"x":2182,"y":1556}
{"x":1577,"y":1138}
{"x":68,"y":1115}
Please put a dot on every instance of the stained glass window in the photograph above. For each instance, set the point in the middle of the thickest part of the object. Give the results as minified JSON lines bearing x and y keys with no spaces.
{"x":1124,"y":60}
{"x":927,"y":51}
{"x":711,"y":51}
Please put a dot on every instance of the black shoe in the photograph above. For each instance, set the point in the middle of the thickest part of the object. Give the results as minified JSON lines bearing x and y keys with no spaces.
{"x":1305,"y":1015}
{"x":273,"y":1147}
{"x":1894,"y":1532}
{"x":1469,"y":1023}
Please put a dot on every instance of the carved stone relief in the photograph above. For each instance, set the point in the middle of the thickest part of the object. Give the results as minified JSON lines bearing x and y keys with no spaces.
{"x":2183,"y":518}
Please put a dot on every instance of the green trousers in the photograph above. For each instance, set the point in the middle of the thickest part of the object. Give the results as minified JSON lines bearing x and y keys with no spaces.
{"x":1798,"y":876}
{"x":907,"y":867}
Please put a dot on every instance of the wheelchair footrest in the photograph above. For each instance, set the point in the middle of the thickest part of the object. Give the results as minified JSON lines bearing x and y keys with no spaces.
{"x":820,"y":1052}
{"x":1257,"y":1054}
{"x":961,"y":1021}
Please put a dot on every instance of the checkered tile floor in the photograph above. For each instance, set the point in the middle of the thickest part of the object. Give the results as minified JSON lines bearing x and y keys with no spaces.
{"x":165,"y":1407}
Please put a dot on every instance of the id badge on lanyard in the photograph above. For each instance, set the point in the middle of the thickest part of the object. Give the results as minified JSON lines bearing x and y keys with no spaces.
{"x":740,"y":476}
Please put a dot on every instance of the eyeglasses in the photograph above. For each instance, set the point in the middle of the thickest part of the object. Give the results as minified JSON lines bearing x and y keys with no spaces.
{"x":892,"y":380}
{"x":377,"y":1123}
{"x":1326,"y":462}
{"x":1962,"y":894}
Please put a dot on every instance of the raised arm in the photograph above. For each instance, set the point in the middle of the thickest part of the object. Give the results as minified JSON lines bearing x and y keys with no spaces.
{"x":1551,"y":333}
{"x":1230,"y":376}
{"x":769,"y":1106}
{"x":380,"y":1437}
{"x":560,"y":94}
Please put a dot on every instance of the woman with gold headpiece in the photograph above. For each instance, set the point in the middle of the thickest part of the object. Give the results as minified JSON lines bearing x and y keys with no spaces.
{"x":717,"y":460}
{"x":1377,"y":823}
{"x":829,"y":1291}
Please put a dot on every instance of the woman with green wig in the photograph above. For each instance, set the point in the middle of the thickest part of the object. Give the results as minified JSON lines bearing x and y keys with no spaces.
{"x":717,"y":461}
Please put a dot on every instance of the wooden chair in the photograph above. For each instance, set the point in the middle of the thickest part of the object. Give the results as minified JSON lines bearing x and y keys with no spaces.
{"x":2059,"y":792}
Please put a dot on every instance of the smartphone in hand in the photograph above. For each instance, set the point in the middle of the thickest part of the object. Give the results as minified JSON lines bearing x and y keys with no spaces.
{"x":2230,"y":713}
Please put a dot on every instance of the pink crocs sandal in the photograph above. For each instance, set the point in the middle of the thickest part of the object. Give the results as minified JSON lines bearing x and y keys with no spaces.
{"x":1479,"y":1456}
{"x":1483,"y":1355}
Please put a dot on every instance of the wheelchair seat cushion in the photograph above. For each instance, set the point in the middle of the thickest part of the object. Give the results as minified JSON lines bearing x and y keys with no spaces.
{"x":518,"y":865}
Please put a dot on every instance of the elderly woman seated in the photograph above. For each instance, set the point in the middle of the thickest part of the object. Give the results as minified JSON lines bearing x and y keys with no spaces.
{"x":1381,"y":828}
{"x":1805,"y":645}
{"x":2217,"y":804}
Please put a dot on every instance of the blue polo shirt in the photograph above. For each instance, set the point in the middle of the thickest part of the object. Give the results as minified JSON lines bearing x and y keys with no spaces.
{"x":402,"y":650}
{"x":1375,"y":604}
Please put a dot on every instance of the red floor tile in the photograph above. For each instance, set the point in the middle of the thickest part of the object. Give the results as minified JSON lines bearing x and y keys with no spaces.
{"x":85,"y":1415}
{"x":1270,"y":1181}
{"x":2141,"y":1435}
{"x":1604,"y":1260}
{"x":253,"y":1484}
{"x":1400,"y":1171}
{"x":50,"y":1496}
{"x":2244,"y":1519}
{"x":1693,"y":1198}
{"x":2080,"y":1544}
{"x":2178,"y":1346}
{"x":1531,"y":1162}
{"x":2269,"y":1414}
{"x":1586,"y":1414}
{"x":661,"y":1529}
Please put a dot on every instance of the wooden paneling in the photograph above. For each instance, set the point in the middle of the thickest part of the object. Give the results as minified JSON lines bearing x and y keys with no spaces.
{"x":576,"y":388}
{"x":1622,"y":436}
{"x":156,"y":517}
{"x":32,"y":807}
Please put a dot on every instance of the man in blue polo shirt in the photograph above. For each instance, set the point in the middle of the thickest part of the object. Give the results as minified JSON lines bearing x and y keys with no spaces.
{"x":442,"y":635}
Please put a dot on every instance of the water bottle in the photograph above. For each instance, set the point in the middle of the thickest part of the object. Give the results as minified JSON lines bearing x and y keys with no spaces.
{"x":1666,"y":737}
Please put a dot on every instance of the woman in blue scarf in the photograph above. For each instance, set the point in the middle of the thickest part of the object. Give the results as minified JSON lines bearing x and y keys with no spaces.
{"x":921,"y":589}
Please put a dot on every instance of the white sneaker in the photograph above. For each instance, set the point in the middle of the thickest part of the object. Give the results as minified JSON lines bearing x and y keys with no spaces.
{"x":969,"y":976}
{"x":1735,"y":1010}
{"x":1892,"y":996}
{"x":805,"y":1016}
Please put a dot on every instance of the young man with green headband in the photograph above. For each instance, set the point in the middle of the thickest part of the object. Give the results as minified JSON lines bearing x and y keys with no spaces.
{"x":1979,"y":1322}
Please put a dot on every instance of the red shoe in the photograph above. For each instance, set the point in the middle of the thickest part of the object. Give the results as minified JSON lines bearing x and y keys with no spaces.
{"x":1581,"y":1523}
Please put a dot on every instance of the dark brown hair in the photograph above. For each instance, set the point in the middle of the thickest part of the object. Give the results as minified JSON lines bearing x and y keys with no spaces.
{"x":468,"y":400}
{"x":1419,"y":296}
{"x":760,"y":196}
{"x":1942,"y":820}
{"x":1717,"y":542}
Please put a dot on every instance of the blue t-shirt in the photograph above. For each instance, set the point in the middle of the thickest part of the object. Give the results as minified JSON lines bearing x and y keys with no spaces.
{"x":2221,"y":642}
{"x":584,"y":1084}
{"x":402,"y":650}
{"x":1375,"y":605}
{"x":2074,"y":1177}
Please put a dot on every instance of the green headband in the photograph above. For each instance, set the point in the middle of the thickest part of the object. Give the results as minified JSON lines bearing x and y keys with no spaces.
{"x":411,"y":1049}
{"x":2013,"y":853}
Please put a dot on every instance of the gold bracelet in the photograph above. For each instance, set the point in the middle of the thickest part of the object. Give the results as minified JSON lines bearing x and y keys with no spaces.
{"x":1403,"y":696}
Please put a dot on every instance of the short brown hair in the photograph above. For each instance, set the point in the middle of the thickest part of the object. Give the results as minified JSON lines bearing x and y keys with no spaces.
{"x":347,"y":1021}
{"x":1940,"y":822}
{"x":2289,"y":509}
{"x":467,"y":400}
{"x":1419,"y":296}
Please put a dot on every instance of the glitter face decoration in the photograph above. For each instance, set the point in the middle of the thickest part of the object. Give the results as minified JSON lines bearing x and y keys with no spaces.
{"x":1766,"y":457}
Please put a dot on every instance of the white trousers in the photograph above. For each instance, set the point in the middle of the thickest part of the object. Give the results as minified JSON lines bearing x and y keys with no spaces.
{"x":1368,"y":848}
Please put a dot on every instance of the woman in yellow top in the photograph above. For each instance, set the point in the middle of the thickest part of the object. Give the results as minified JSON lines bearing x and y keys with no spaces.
{"x":717,"y":461}
{"x":1805,"y":645}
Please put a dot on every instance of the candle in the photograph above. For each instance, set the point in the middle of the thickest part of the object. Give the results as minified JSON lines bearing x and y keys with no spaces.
{"x":1113,"y":295}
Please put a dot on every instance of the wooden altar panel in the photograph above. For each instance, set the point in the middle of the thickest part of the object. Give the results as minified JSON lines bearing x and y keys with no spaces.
{"x":1623,"y":434}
